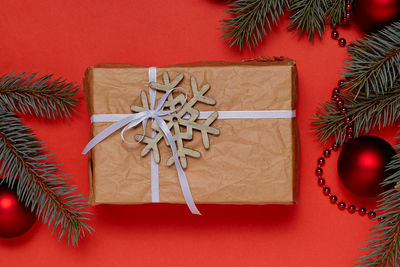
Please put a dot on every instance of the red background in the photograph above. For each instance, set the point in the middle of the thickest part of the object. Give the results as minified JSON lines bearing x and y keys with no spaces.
{"x":65,"y":37}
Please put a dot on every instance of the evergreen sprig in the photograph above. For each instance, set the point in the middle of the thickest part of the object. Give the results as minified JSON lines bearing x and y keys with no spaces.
{"x":374,"y":64}
{"x":366,"y":113}
{"x":384,"y":239}
{"x":309,"y":16}
{"x":42,"y":97}
{"x":372,"y":95}
{"x":336,"y":11}
{"x":250,"y":21}
{"x":40,"y":186}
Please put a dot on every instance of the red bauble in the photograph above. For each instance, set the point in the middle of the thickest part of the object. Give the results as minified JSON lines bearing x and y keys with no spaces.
{"x":15,"y":218}
{"x":361,"y":165}
{"x":371,"y":15}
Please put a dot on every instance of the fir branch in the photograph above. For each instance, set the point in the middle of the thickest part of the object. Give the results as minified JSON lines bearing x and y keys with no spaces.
{"x":374,"y":63}
{"x":308,"y":16}
{"x":250,"y":21}
{"x":377,"y":110}
{"x":39,"y":184}
{"x":384,"y":239}
{"x":42,"y":97}
{"x":336,"y":11}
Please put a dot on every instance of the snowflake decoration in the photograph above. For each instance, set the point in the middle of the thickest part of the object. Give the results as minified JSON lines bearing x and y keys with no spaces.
{"x":181,"y":123}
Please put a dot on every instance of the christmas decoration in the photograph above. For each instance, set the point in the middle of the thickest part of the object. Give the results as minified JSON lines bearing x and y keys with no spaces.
{"x":369,"y":98}
{"x":251,"y":18}
{"x":371,"y":15}
{"x":15,"y":218}
{"x":327,"y":153}
{"x":23,"y":160}
{"x":180,"y":120}
{"x":361,"y":165}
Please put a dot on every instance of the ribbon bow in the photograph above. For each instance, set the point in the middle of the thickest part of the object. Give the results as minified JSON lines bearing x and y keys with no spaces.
{"x":156,"y":114}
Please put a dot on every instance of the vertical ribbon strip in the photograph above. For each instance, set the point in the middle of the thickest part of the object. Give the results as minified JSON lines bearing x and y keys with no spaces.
{"x":155,"y":187}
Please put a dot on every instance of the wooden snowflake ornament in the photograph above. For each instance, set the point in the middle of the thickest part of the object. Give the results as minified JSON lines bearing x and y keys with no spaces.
{"x":181,"y":123}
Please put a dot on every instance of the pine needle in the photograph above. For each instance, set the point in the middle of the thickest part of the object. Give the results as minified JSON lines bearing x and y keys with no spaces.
{"x":251,"y":19}
{"x":42,"y":97}
{"x":39,"y":184}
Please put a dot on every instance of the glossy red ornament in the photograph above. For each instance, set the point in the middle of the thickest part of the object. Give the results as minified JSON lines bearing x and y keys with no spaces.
{"x":361,"y":165}
{"x":371,"y":15}
{"x":15,"y":218}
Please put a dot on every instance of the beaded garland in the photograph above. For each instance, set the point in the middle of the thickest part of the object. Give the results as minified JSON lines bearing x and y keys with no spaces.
{"x":362,"y":211}
{"x":334,"y":147}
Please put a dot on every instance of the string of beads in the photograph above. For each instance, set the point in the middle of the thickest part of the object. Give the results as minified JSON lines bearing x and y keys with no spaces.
{"x":349,"y":131}
{"x":334,"y":147}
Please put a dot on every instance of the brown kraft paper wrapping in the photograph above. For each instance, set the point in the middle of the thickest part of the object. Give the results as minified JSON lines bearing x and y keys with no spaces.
{"x":252,"y":161}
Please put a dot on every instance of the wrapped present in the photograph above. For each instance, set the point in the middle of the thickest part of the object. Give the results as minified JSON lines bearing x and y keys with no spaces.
{"x":232,"y":126}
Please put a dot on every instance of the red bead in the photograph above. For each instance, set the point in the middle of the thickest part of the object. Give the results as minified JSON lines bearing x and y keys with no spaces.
{"x":348,"y":16}
{"x":334,"y":146}
{"x":318,"y":171}
{"x":327,"y":153}
{"x":343,"y":111}
{"x":349,"y":135}
{"x":349,"y":129}
{"x":337,"y":99}
{"x":345,"y":21}
{"x":349,"y":7}
{"x":335,"y":34}
{"x":333,"y":199}
{"x":348,"y":120}
{"x":341,"y":83}
{"x":335,"y":91}
{"x":371,"y":214}
{"x":351,"y":209}
{"x":342,"y":41}
{"x":326,"y":191}
{"x":362,"y":211}
{"x":321,"y":181}
{"x":341,"y":205}
{"x":334,"y":96}
{"x":321,"y":161}
{"x":380,"y":219}
{"x":340,"y":103}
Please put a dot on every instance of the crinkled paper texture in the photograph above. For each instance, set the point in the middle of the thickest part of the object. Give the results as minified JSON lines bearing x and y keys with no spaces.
{"x":252,"y":161}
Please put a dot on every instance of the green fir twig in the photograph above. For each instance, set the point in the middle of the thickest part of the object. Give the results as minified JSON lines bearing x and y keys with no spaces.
{"x":40,"y":186}
{"x":23,"y":93}
{"x":309,"y":16}
{"x":366,"y":113}
{"x":250,"y":21}
{"x":374,"y":64}
{"x":336,"y":11}
{"x":384,"y":239}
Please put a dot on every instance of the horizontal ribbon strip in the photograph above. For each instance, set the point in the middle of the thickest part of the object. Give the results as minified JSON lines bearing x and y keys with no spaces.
{"x":237,"y":114}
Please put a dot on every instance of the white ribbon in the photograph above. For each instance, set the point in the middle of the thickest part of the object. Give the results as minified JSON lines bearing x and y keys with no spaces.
{"x":155,"y":187}
{"x":133,"y":120}
{"x":231,"y":114}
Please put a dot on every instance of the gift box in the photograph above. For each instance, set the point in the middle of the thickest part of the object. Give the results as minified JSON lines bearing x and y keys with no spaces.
{"x":252,"y":159}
